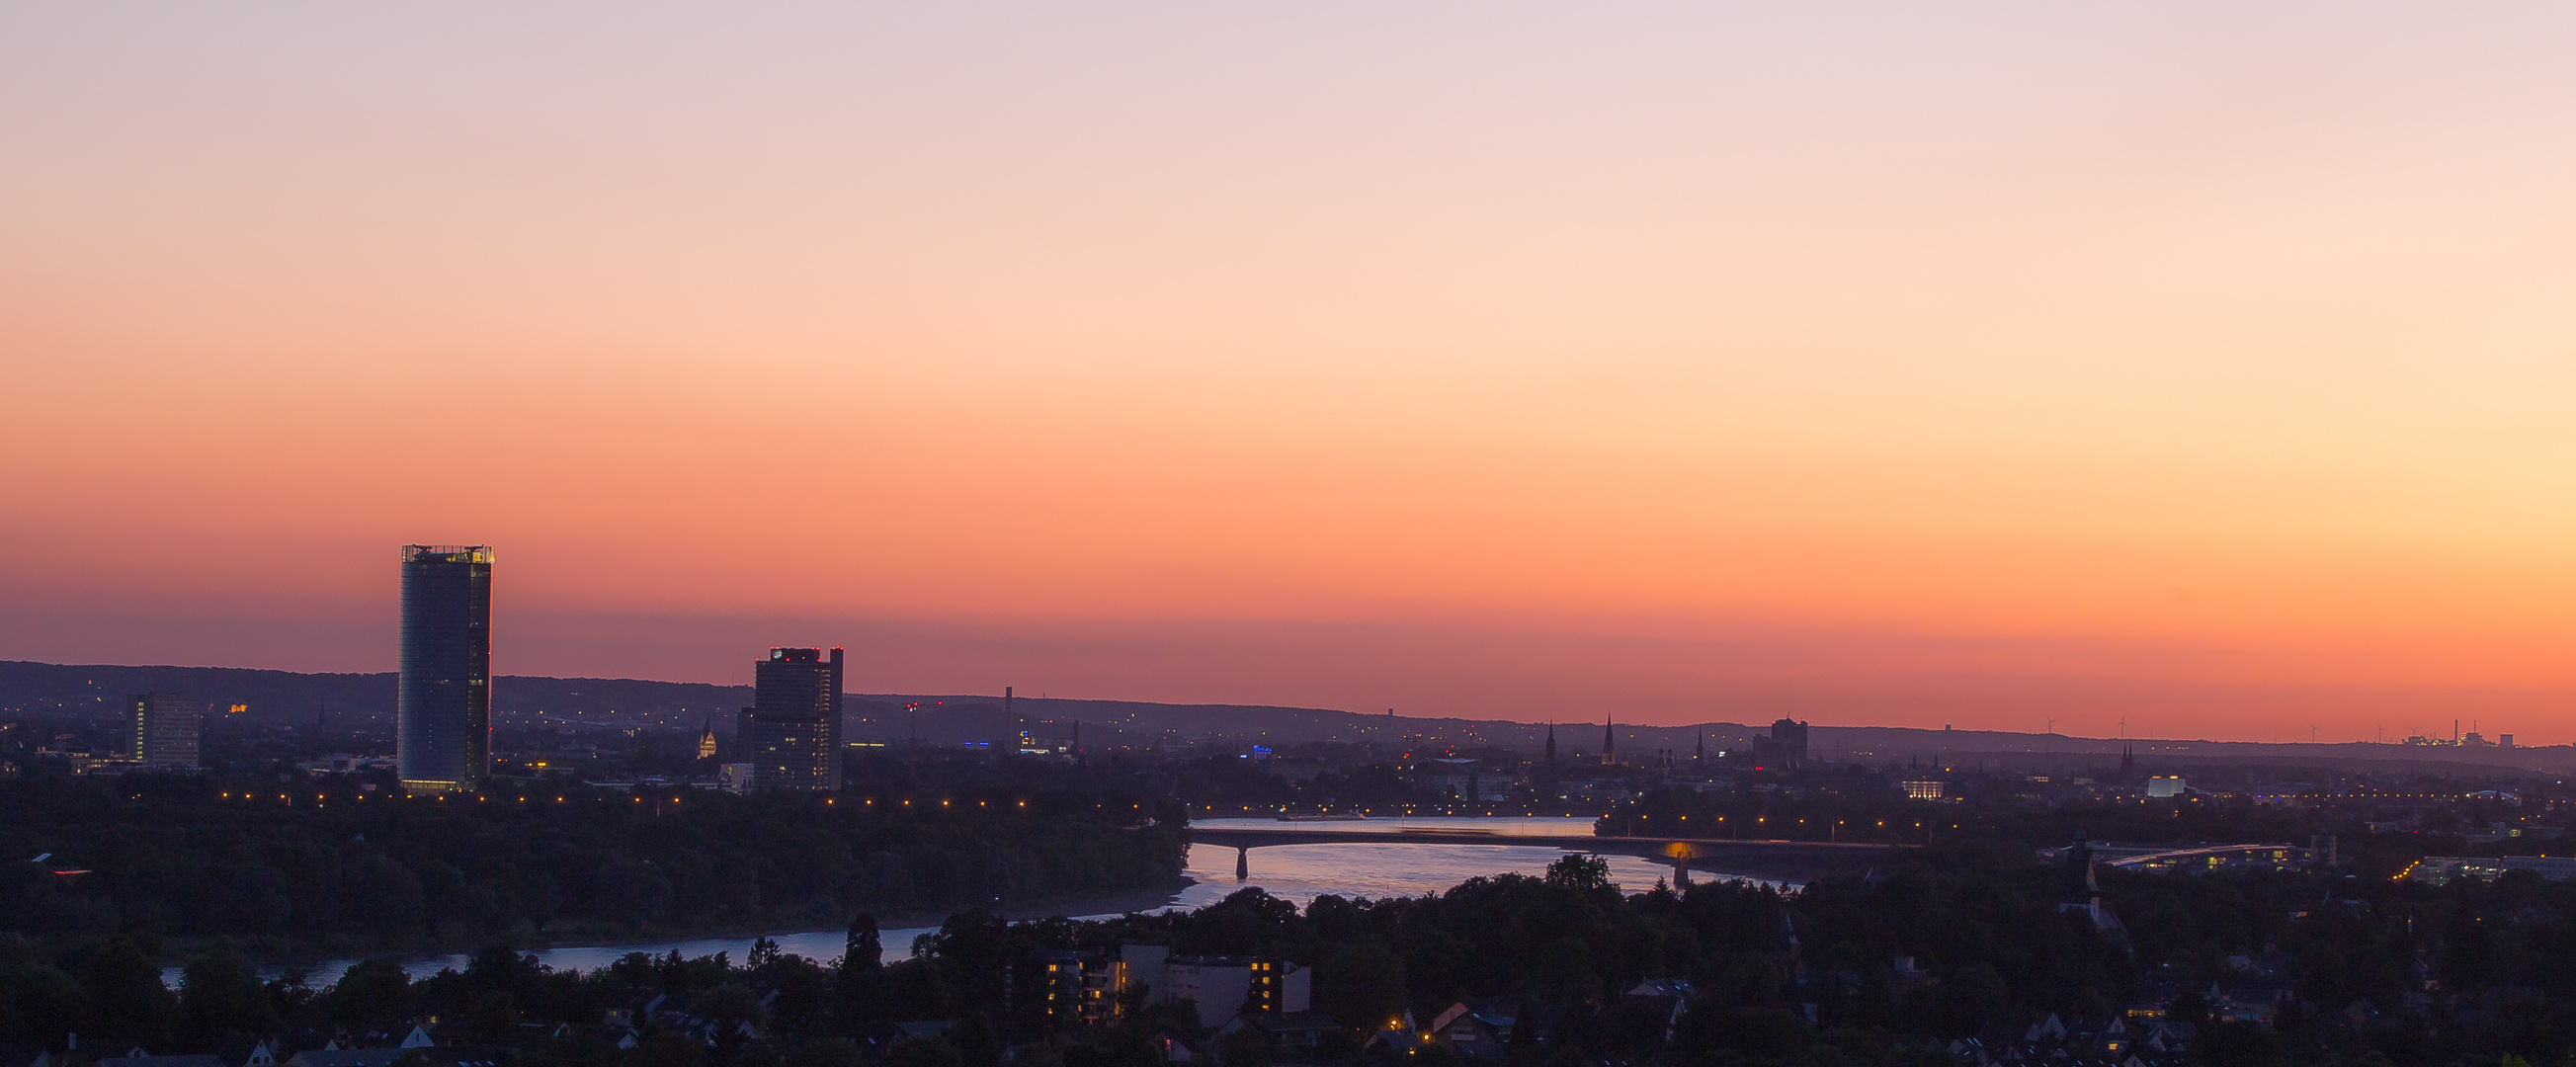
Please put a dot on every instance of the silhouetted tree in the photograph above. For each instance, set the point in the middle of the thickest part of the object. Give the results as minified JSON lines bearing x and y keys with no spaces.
{"x":864,"y":951}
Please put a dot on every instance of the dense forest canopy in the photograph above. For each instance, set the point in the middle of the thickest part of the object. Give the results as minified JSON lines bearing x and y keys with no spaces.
{"x":1964,"y":935}
{"x":2373,"y":973}
{"x":327,"y":864}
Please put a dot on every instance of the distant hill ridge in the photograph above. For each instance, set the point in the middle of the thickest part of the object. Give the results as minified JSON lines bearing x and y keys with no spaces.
{"x":280,"y":697}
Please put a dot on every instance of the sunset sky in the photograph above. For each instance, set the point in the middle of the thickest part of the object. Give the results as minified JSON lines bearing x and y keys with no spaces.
{"x":2209,"y":368}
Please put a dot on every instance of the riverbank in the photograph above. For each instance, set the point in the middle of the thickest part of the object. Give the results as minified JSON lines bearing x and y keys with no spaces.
{"x":1295,"y":873}
{"x":571,"y":952}
{"x":333,"y":954}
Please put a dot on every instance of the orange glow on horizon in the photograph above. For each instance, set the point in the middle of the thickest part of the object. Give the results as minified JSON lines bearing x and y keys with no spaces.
{"x":2200,"y":370}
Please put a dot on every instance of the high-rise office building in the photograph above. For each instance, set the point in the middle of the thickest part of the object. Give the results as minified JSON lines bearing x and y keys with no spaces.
{"x":165,"y":731}
{"x":796,"y":720}
{"x":1791,"y":737}
{"x":443,"y":704}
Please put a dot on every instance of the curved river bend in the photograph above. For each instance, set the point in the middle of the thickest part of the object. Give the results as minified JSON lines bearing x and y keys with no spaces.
{"x":1297,"y":873}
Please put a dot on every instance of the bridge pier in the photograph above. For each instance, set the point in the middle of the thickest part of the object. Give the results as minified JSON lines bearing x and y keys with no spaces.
{"x":1681,"y":872}
{"x":1242,"y":863}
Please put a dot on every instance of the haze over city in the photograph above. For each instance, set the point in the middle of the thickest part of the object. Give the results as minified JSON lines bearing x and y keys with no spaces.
{"x":1287,"y":535}
{"x":2206,"y":370}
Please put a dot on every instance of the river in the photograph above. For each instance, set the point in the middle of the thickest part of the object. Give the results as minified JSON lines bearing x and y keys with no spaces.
{"x":1297,"y":873}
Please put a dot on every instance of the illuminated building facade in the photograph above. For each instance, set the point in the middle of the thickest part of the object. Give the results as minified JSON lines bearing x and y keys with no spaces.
{"x":796,"y":720}
{"x":166,"y":727}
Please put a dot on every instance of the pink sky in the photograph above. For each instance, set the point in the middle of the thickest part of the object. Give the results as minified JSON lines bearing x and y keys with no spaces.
{"x":2209,"y":368}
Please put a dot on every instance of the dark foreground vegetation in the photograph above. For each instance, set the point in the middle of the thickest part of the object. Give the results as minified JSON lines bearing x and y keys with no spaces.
{"x":329,"y":865}
{"x":1954,"y":955}
{"x":1974,"y":943}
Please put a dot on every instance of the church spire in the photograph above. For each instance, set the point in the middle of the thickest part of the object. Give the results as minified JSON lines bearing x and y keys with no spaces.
{"x":1609,"y":750}
{"x":1551,"y":744}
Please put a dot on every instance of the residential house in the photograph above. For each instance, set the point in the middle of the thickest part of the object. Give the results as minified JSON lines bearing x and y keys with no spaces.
{"x":139,"y":1058}
{"x":344,"y":1057}
{"x":1181,"y":1048}
{"x":1477,"y":1030}
{"x":1291,"y":1035}
{"x":1656,"y":1005}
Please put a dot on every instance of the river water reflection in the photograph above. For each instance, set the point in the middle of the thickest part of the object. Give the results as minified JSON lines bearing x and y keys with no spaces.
{"x":1300,"y":873}
{"x":1296,"y":873}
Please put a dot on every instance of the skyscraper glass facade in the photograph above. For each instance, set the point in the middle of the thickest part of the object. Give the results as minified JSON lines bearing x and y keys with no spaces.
{"x":796,"y":720}
{"x":443,"y":708}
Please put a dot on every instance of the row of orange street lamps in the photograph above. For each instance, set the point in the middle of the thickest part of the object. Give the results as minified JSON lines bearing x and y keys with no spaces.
{"x":907,"y":802}
{"x":870,"y":801}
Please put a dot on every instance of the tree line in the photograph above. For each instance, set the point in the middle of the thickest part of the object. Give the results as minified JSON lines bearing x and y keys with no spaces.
{"x":2370,"y":972}
{"x":328,"y":866}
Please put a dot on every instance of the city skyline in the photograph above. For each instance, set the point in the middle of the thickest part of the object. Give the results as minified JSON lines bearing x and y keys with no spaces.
{"x":2196,"y":366}
{"x":1320,"y":535}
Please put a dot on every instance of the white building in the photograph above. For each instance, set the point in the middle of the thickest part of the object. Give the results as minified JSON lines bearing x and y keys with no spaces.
{"x":1224,"y":986}
{"x":166,"y":726}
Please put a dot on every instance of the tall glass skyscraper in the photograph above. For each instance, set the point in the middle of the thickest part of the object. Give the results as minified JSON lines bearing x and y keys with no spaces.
{"x":796,"y":720}
{"x":443,"y":707}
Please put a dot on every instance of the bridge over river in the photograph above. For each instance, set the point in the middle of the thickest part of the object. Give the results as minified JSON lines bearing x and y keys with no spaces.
{"x":1767,"y":857}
